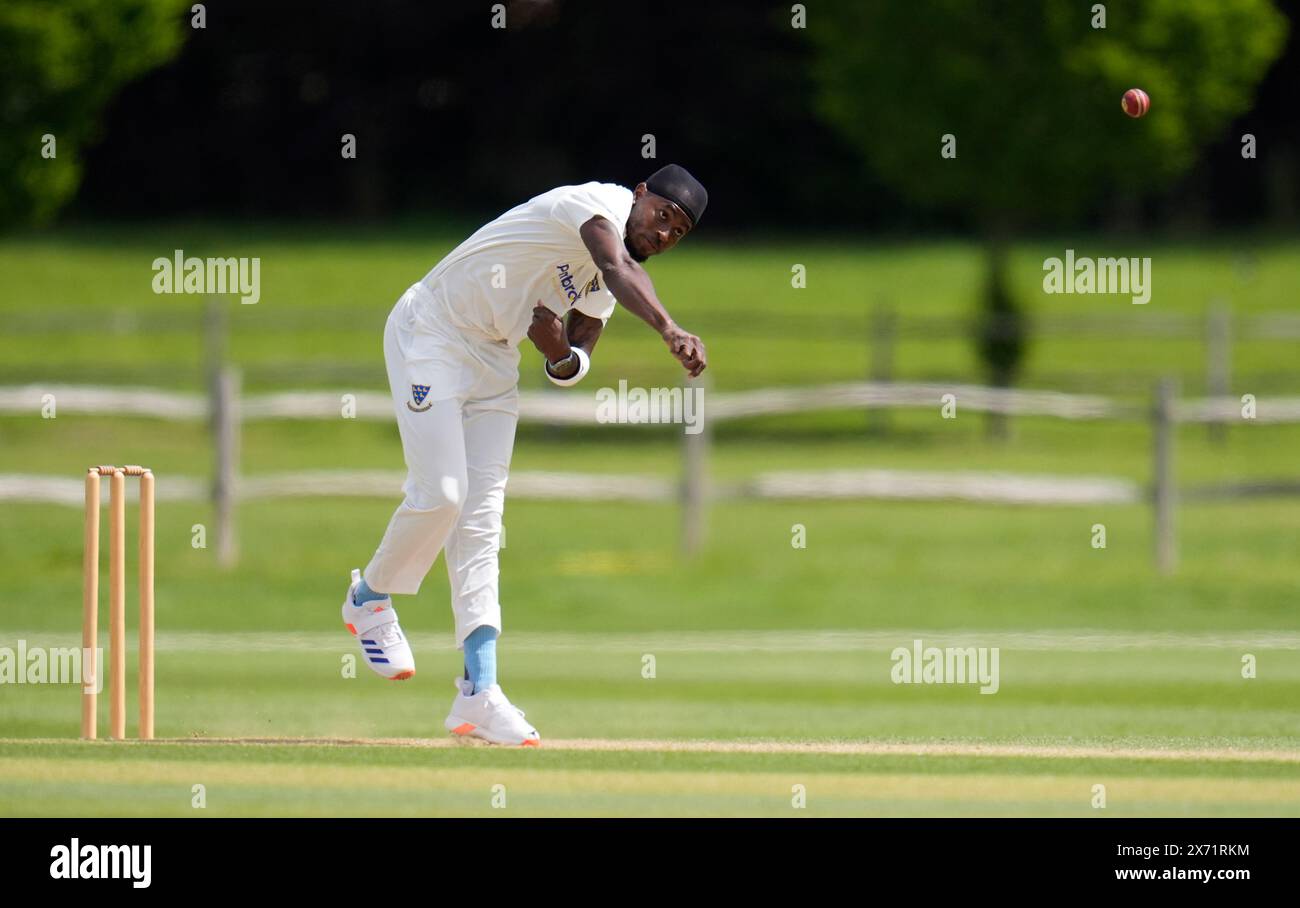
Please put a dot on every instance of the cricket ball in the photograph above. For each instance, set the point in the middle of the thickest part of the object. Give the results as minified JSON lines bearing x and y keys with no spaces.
{"x":1136,"y":102}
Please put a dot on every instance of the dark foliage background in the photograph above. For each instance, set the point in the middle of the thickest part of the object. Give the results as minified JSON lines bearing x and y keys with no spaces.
{"x":453,"y":116}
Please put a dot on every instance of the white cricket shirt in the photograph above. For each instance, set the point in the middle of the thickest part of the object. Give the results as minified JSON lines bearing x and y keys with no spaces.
{"x":532,"y":253}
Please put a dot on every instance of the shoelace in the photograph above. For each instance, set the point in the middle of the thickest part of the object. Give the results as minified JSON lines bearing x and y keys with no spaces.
{"x":506,"y":701}
{"x":388,"y":634}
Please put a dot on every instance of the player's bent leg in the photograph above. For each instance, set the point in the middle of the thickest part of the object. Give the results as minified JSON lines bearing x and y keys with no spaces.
{"x":373,"y":621}
{"x":412,"y":541}
{"x":434,"y":448}
{"x":416,"y":534}
{"x":435,"y":490}
{"x":426,"y":375}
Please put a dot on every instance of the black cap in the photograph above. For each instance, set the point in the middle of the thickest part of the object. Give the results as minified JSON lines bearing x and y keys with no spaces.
{"x":676,"y":184}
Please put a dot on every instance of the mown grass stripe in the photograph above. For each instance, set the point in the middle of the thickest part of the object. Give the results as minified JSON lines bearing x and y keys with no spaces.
{"x":855,"y":748}
{"x":774,"y":641}
{"x":989,"y":787}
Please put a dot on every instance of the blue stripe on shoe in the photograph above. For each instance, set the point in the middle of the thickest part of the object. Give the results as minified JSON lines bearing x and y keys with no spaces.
{"x":377,"y":659}
{"x":379,"y":651}
{"x":369,"y":642}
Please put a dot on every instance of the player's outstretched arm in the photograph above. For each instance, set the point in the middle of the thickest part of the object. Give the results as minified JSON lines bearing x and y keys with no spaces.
{"x":632,"y":287}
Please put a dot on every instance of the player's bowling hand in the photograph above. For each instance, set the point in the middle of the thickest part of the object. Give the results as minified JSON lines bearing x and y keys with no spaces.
{"x":688,"y":349}
{"x":547,"y":334}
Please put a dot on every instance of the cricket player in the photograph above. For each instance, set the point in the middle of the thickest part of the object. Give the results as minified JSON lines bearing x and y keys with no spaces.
{"x":550,"y":270}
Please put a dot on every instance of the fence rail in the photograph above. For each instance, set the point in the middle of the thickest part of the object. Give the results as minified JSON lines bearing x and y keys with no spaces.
{"x":575,"y":408}
{"x":878,"y":331}
{"x":900,"y":485}
{"x":1152,"y":323}
{"x":225,"y":409}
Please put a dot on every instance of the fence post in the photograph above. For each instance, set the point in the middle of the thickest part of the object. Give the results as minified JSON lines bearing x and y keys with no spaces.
{"x":880,"y":367}
{"x":225,"y":481}
{"x":1218,"y":360}
{"x":1165,"y":492}
{"x":695,"y":469}
{"x":223,"y":412}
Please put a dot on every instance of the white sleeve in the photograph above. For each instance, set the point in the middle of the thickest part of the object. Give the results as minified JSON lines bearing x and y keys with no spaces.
{"x":597,"y":304}
{"x":578,"y":204}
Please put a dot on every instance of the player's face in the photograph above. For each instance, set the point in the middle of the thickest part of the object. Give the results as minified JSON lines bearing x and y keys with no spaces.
{"x":654,"y":225}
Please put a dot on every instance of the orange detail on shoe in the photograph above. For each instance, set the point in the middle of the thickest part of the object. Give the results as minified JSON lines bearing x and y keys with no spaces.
{"x":402,"y":676}
{"x":531,"y":742}
{"x":350,"y":628}
{"x":463,"y":729}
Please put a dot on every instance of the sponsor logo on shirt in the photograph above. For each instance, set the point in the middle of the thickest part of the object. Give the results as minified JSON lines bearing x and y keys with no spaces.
{"x":569,"y":288}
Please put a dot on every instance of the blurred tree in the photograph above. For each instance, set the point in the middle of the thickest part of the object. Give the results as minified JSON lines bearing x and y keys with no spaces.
{"x":1031,"y":92}
{"x":60,"y":64}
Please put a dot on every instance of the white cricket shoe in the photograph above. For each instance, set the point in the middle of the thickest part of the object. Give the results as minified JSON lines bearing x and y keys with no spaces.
{"x":490,"y":716}
{"x":382,"y":642}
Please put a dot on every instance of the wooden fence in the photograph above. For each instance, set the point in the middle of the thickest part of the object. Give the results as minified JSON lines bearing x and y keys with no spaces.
{"x":880,"y":331}
{"x":225,"y":409}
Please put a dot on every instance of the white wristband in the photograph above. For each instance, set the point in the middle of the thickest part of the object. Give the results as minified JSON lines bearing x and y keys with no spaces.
{"x":584,"y":364}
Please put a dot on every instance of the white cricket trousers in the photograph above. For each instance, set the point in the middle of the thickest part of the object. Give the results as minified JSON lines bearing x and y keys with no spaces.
{"x":456,"y":393}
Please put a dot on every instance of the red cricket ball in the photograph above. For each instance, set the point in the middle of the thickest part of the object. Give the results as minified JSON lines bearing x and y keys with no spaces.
{"x":1136,"y":102}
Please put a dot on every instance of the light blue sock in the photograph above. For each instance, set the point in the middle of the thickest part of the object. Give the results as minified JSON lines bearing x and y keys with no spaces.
{"x":364,"y":594}
{"x":481,"y":657}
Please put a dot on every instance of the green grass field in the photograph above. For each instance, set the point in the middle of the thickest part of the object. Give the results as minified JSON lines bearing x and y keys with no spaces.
{"x":326,"y":293}
{"x":1169,"y":728}
{"x":269,"y":780}
{"x":774,"y":660}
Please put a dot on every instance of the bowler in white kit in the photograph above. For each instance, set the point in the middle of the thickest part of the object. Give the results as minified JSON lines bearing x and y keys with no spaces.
{"x":551,"y":270}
